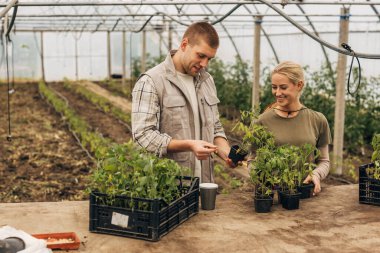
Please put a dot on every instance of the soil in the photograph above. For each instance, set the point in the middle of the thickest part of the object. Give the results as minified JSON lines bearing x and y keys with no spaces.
{"x":104,"y":123}
{"x":44,"y":162}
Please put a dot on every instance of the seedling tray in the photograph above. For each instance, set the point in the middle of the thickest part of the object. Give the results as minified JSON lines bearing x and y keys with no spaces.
{"x":64,"y":241}
{"x":151,"y":222}
{"x":369,"y":188}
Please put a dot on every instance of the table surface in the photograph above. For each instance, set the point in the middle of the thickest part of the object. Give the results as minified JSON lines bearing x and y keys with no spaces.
{"x":334,"y":221}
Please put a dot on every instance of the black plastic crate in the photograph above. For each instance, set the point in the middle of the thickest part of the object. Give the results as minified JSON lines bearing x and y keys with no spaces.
{"x":369,"y":188}
{"x":155,"y":220}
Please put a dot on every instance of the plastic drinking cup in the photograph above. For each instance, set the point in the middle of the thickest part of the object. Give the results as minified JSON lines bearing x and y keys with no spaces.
{"x":208,"y":195}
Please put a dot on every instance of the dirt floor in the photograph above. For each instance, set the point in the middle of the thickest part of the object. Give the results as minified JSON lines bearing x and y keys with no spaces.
{"x":104,"y":123}
{"x":44,"y":162}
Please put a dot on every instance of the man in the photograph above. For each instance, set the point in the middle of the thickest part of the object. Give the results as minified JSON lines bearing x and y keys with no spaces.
{"x":174,"y":105}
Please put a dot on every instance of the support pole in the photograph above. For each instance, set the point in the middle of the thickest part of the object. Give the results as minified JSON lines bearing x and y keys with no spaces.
{"x":143,"y":52}
{"x":340,"y":98}
{"x":170,"y":37}
{"x":160,"y":44}
{"x":124,"y":60}
{"x":42,"y":56}
{"x":256,"y":63}
{"x":76,"y":60}
{"x":109,"y":54}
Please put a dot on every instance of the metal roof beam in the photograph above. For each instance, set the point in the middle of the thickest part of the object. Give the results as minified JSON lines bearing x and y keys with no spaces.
{"x":194,"y":2}
{"x":183,"y":15}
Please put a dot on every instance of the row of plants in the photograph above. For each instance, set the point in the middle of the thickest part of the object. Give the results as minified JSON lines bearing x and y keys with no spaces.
{"x":283,"y":168}
{"x":103,"y":103}
{"x":116,"y":87}
{"x":92,"y":141}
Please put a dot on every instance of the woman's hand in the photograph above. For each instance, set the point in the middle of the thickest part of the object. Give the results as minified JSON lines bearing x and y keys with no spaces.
{"x":316,"y":181}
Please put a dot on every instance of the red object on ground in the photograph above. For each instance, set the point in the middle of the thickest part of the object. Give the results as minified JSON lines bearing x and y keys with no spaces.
{"x":67,"y":240}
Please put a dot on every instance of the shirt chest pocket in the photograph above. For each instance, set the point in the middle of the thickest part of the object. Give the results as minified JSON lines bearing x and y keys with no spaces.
{"x":210,"y":109}
{"x":175,"y":111}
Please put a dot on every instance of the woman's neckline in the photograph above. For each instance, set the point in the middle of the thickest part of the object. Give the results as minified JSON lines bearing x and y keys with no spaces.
{"x":288,"y":113}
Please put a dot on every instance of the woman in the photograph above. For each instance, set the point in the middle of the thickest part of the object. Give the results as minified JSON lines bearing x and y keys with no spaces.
{"x":293,"y":123}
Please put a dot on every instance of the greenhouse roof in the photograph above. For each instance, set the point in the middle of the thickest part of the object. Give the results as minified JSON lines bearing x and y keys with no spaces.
{"x":290,"y":27}
{"x":233,"y":19}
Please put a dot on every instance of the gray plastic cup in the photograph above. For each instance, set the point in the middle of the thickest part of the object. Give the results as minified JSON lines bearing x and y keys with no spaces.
{"x":208,"y":195}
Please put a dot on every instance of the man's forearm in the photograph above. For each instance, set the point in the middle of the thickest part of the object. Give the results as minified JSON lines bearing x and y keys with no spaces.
{"x":179,"y":145}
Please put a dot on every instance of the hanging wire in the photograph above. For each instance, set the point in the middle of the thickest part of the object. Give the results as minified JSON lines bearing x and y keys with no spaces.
{"x":142,"y":28}
{"x":8,"y":38}
{"x":313,"y":36}
{"x":226,"y":15}
{"x":10,"y":89}
{"x":349,"y":49}
{"x":117,"y":21}
{"x":9,"y":136}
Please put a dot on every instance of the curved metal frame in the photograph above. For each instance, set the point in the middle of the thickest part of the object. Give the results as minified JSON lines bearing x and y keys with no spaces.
{"x":267,"y":37}
{"x":316,"y":33}
{"x":110,"y":27}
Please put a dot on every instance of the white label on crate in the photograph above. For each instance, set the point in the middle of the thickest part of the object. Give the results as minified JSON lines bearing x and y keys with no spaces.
{"x":120,"y":220}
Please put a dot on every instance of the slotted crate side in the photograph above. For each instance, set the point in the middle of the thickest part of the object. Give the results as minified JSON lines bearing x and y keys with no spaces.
{"x":369,"y":188}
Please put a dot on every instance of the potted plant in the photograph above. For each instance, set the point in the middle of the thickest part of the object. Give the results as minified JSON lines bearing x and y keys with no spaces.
{"x":369,"y":176}
{"x":289,"y":177}
{"x":256,"y":138}
{"x":306,"y":167}
{"x":262,"y":175}
{"x":254,"y":135}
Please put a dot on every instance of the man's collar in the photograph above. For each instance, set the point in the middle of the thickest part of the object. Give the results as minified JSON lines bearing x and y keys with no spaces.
{"x":170,"y":68}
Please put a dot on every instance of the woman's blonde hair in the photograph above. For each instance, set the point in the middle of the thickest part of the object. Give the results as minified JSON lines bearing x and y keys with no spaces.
{"x":291,"y":70}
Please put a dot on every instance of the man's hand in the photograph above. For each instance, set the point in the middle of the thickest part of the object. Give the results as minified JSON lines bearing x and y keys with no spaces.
{"x":230,"y":163}
{"x":316,"y":181}
{"x":202,"y":149}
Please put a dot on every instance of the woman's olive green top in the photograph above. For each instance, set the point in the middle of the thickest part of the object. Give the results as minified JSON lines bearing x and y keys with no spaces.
{"x":307,"y":127}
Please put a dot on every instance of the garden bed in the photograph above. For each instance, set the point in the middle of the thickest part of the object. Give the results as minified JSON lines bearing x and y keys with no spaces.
{"x":44,"y":161}
{"x":105,"y":123}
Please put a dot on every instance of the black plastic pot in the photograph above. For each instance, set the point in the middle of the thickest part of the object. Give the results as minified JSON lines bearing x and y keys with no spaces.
{"x":306,"y":190}
{"x":279,"y":189}
{"x":263,"y":203}
{"x":290,"y":201}
{"x":236,"y":154}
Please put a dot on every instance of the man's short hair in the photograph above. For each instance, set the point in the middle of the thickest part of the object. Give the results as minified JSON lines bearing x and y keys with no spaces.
{"x":202,"y":30}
